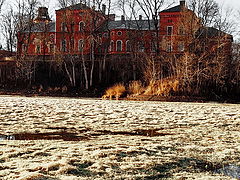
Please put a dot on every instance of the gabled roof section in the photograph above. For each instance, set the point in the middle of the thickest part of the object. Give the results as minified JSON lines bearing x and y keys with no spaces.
{"x":132,"y":24}
{"x":211,"y":32}
{"x":79,"y":6}
{"x":173,"y":9}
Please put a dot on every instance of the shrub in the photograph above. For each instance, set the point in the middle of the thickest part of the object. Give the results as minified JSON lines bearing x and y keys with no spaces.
{"x":135,"y":88}
{"x":117,"y":90}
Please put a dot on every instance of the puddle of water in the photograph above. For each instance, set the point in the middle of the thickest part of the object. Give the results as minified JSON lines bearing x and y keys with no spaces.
{"x":44,"y":136}
{"x":67,"y":136}
{"x":138,"y":132}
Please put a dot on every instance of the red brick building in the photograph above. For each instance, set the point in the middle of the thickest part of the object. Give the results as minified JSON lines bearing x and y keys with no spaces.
{"x":80,"y":30}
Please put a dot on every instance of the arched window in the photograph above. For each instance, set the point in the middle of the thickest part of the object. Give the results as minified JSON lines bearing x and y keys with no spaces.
{"x":64,"y":45}
{"x":111,"y":48}
{"x":38,"y":49}
{"x":80,"y":45}
{"x":119,"y":46}
{"x":81,"y":26}
{"x":63,"y":27}
{"x":24,"y":48}
{"x":128,"y":46}
{"x":51,"y":48}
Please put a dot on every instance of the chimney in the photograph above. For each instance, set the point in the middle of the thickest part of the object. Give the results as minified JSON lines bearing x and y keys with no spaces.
{"x":42,"y":15}
{"x":140,"y":17}
{"x":182,"y":4}
{"x":123,"y":18}
{"x":112,"y":17}
{"x":104,"y":7}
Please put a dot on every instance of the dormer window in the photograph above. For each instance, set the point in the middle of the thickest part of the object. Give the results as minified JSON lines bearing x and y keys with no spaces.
{"x":81,"y":26}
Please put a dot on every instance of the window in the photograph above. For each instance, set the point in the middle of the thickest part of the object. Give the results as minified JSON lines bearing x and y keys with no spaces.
{"x":71,"y":44}
{"x":181,"y":46}
{"x":119,"y":33}
{"x":181,"y":30}
{"x":72,"y":27}
{"x":141,"y":47}
{"x":51,"y":48}
{"x":52,"y":38}
{"x":64,"y":45}
{"x":105,"y":35}
{"x":63,"y":27}
{"x":81,"y":26}
{"x":153,"y":46}
{"x":38,"y":49}
{"x":112,"y":33}
{"x":119,"y":46}
{"x":24,"y":48}
{"x":154,"y":34}
{"x":111,"y":48}
{"x":169,"y":30}
{"x":80,"y":45}
{"x":128,"y":46}
{"x":169,"y":47}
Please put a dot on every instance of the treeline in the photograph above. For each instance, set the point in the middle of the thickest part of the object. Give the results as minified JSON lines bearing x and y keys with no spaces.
{"x":200,"y":71}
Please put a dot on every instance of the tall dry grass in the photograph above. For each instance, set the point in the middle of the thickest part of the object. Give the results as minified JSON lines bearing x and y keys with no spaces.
{"x":115,"y":91}
{"x":163,"y":87}
{"x":136,"y":88}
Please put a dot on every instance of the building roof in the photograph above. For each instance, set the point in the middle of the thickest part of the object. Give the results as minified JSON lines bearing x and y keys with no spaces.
{"x":132,"y":24}
{"x":42,"y":27}
{"x":211,"y":32}
{"x":78,"y":6}
{"x":173,"y":9}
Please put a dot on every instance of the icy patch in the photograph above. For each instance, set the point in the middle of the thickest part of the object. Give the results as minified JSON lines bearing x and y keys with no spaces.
{"x":230,"y":170}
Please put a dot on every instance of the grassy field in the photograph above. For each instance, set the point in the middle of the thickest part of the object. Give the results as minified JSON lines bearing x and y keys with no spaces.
{"x":68,"y":139}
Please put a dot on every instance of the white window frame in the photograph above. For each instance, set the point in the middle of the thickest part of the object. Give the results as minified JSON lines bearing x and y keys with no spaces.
{"x":171,"y":30}
{"x":80,"y":42}
{"x":81,"y":28}
{"x":128,"y":45}
{"x":117,"y":45}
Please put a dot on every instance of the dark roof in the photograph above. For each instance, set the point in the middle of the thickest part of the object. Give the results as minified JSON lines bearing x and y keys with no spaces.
{"x":173,"y":9}
{"x":76,"y":7}
{"x":42,"y":27}
{"x":211,"y":32}
{"x":131,"y":24}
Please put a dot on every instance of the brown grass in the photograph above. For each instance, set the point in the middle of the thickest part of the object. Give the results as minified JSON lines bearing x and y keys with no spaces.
{"x":163,"y":87}
{"x":117,"y":90}
{"x":135,"y":88}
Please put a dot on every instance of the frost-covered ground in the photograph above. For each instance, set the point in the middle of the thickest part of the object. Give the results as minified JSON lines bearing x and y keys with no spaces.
{"x":95,"y":139}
